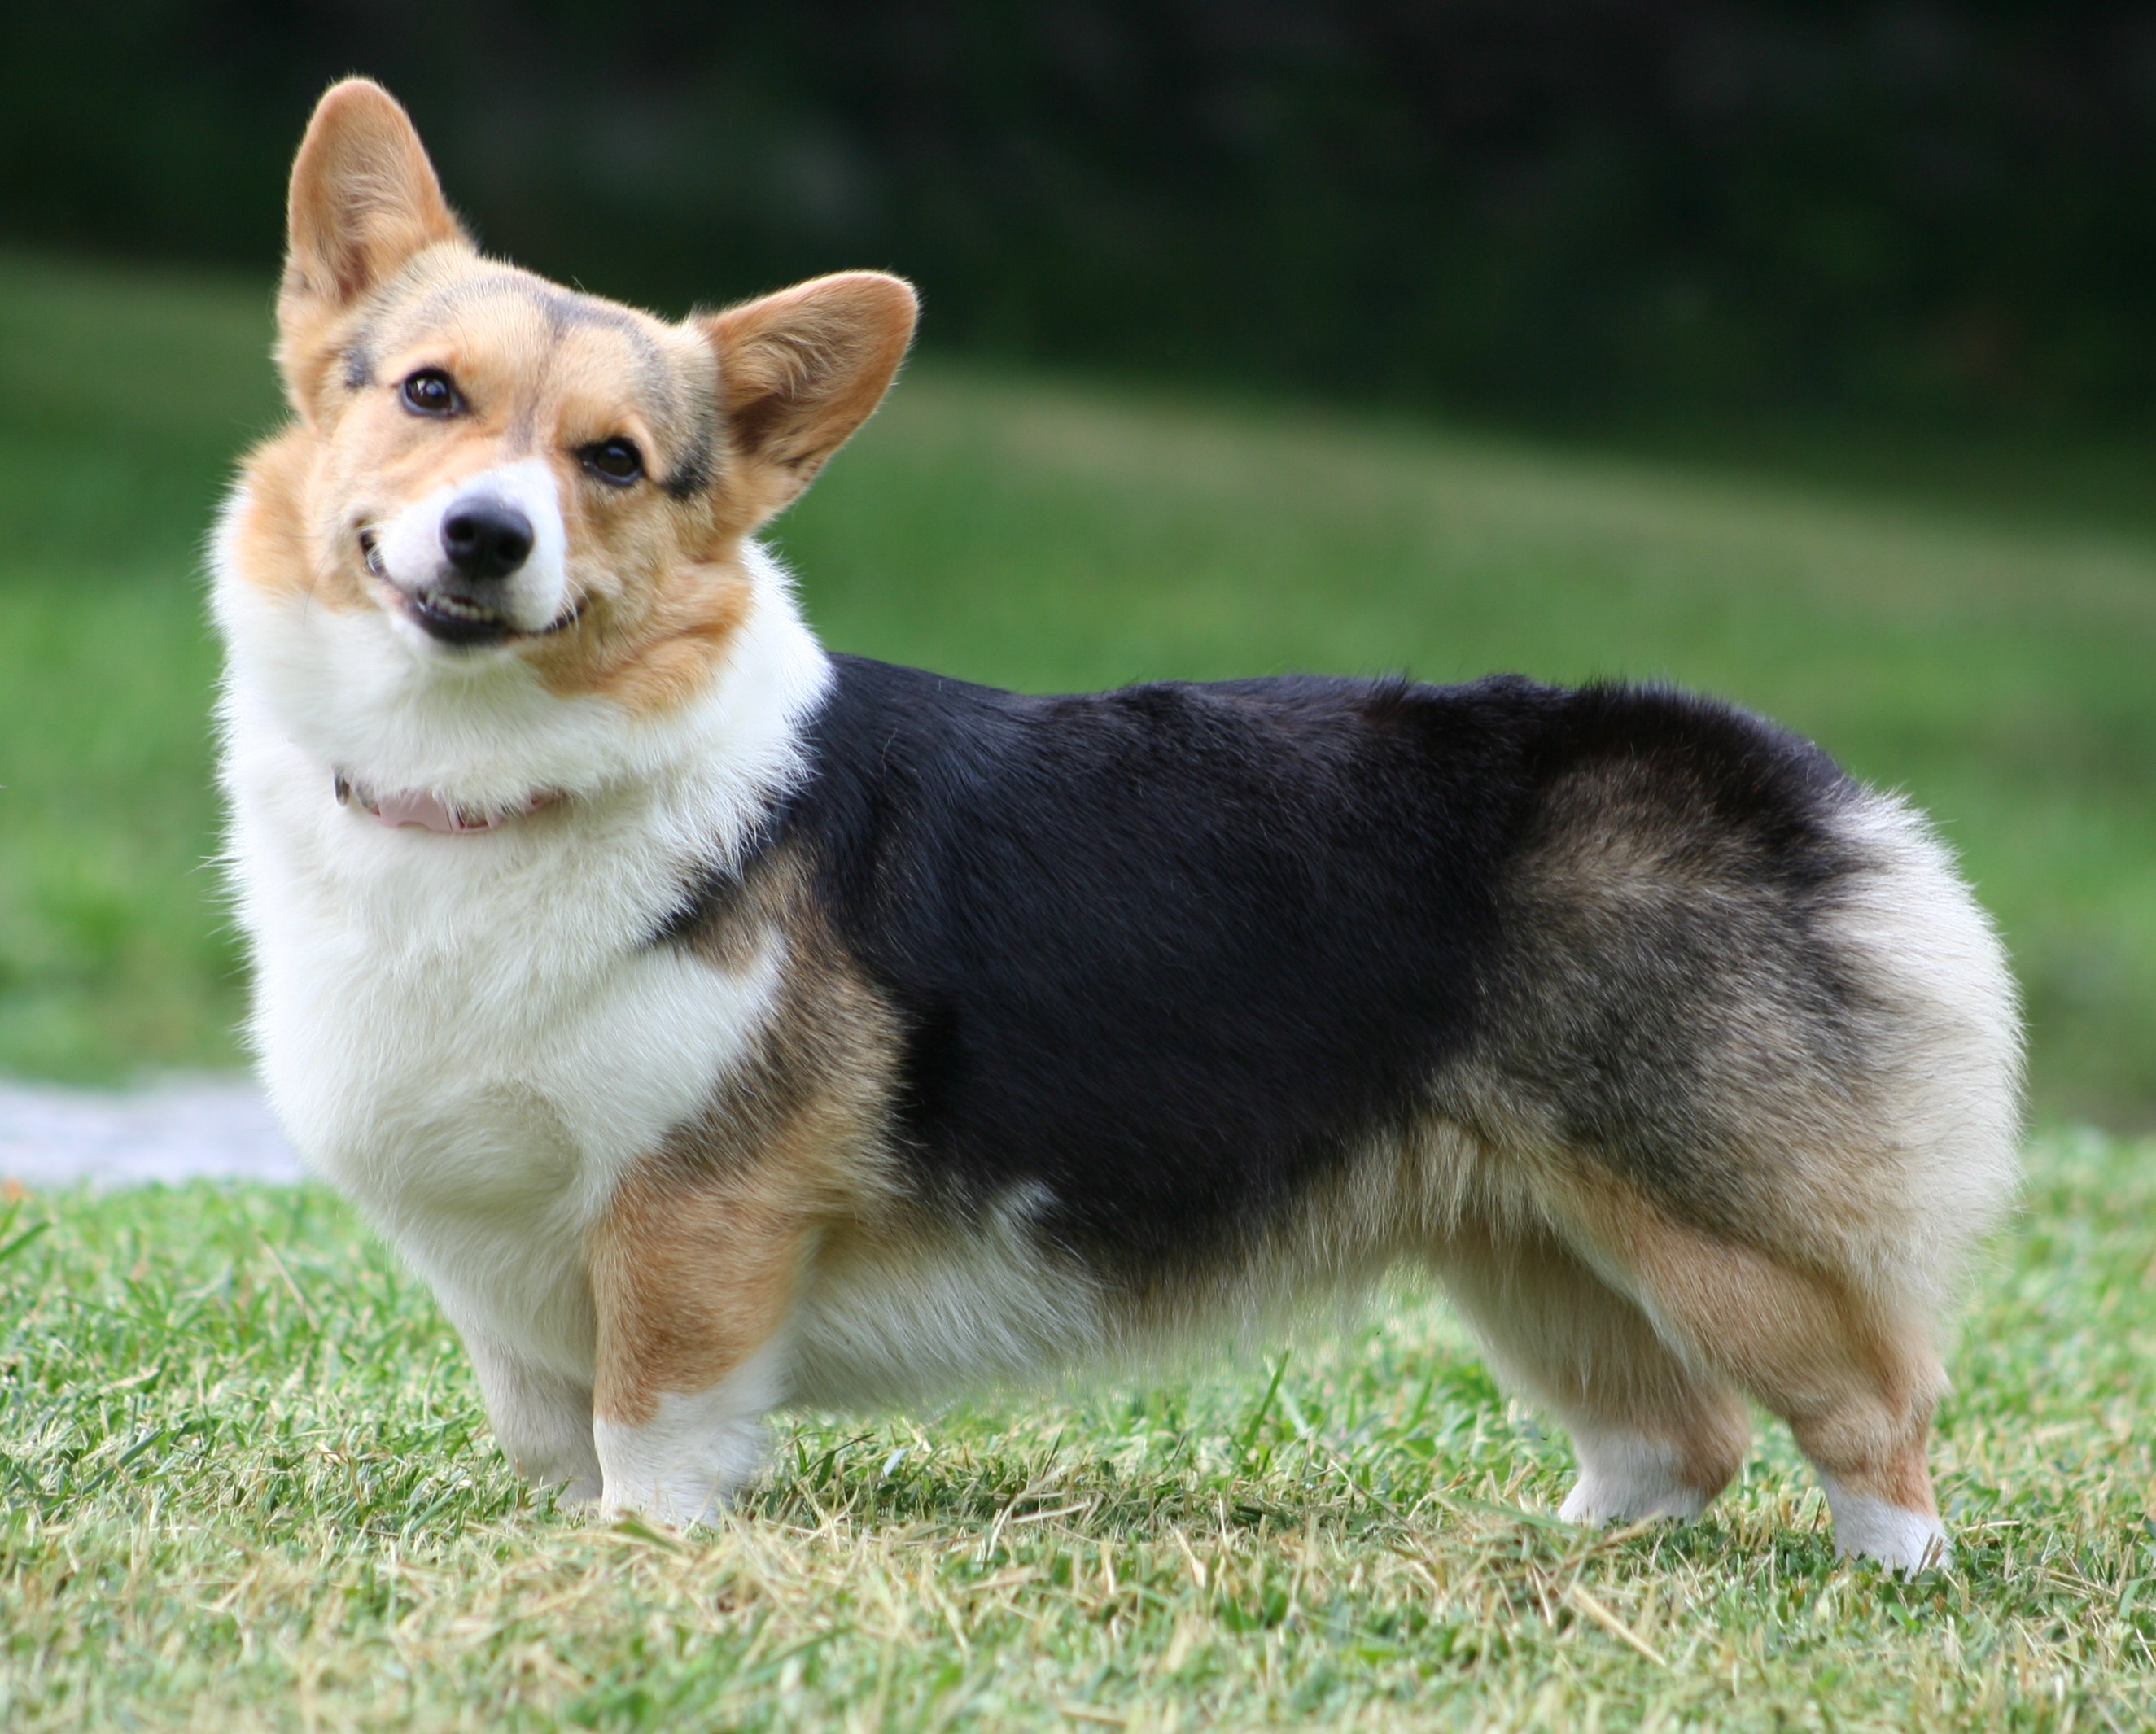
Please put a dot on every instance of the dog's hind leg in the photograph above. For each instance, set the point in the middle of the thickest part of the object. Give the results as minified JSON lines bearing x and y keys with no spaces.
{"x":1657,"y":1432}
{"x":1853,"y":1370}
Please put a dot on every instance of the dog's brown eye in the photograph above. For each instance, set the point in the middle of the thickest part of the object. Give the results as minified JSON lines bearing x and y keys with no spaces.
{"x":429,"y":392}
{"x":614,"y":460}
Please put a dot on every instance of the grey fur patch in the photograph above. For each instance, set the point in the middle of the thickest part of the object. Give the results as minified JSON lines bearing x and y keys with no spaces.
{"x":1670,"y":1002}
{"x":563,"y":309}
{"x":697,"y":466}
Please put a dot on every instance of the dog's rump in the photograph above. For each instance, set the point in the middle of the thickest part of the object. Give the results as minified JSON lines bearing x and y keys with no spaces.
{"x":1163,"y":959}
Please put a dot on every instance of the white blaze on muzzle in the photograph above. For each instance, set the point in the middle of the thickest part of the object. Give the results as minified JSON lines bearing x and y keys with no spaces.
{"x":412,"y":551}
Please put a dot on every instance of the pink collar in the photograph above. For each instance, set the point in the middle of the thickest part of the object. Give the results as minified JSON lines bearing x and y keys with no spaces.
{"x":416,"y":807}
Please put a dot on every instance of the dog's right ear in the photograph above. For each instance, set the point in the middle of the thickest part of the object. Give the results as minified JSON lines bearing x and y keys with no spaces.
{"x":364,"y":200}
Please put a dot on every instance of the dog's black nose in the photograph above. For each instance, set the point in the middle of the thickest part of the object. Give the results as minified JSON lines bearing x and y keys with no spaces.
{"x":487,"y":538}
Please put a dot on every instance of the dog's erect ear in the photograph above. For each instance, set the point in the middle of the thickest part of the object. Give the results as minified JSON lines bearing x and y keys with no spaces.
{"x":364,"y":200}
{"x":799,"y":372}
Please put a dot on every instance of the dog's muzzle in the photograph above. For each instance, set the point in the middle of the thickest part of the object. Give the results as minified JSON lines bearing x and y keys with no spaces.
{"x":485,"y":542}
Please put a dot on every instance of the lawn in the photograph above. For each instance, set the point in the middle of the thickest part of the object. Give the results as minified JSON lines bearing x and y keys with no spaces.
{"x":245,"y":1481}
{"x":1994,"y":662}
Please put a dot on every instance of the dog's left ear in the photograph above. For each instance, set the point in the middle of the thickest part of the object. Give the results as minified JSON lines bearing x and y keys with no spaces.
{"x":364,"y":199}
{"x":799,"y":372}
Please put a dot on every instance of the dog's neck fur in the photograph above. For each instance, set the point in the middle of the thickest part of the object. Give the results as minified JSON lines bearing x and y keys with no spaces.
{"x":311,"y":695}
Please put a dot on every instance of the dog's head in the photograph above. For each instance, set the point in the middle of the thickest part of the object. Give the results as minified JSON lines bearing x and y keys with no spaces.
{"x":495,"y":478}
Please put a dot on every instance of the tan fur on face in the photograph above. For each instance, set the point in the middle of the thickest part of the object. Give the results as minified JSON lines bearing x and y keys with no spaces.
{"x":733,"y":413}
{"x":275,"y":550}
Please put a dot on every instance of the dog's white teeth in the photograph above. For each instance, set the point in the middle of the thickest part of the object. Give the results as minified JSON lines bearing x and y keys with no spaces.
{"x":456,"y":608}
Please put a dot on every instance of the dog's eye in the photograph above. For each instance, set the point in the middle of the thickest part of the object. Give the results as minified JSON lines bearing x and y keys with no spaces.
{"x":430,"y":392}
{"x":613,"y":460}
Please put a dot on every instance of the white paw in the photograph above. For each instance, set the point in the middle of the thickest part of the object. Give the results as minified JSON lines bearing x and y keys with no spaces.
{"x":680,"y":1468}
{"x":1866,"y":1527}
{"x":542,"y":1421}
{"x":695,"y":1450}
{"x":680,"y":1502}
{"x":1625,"y":1478}
{"x":575,"y":1481}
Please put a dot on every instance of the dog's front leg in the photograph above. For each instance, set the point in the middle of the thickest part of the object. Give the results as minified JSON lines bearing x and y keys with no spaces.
{"x":542,"y":1420}
{"x":694,"y":1280}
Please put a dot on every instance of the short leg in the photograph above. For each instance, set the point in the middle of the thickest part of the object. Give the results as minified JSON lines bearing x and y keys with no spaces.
{"x":1657,"y":1436}
{"x":693,"y":1285}
{"x":1866,"y":1433}
{"x":1854,"y":1374}
{"x":543,"y":1421}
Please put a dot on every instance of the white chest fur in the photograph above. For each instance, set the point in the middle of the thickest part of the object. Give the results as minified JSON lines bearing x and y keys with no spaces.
{"x":472,"y":1036}
{"x":476,"y":1056}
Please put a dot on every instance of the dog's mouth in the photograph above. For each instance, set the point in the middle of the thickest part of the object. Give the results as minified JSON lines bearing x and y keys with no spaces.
{"x":456,"y":617}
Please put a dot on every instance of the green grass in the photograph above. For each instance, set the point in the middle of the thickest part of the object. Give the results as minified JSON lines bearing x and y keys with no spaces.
{"x":1995,"y":663}
{"x":245,"y":1482}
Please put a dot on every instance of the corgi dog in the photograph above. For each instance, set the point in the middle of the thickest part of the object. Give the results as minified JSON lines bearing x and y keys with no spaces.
{"x":719,"y":1024}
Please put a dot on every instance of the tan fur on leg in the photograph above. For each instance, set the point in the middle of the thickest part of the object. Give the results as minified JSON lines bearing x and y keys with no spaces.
{"x":689,"y":1282}
{"x":1854,"y":1374}
{"x":693,"y":1281}
{"x":1656,"y":1435}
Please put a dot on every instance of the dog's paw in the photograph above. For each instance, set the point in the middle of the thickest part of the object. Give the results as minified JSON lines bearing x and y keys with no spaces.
{"x":581,"y":1494}
{"x":1595,"y":1503}
{"x":680,"y":1467}
{"x":1867,"y":1527}
{"x":1624,"y":1479}
{"x":665,"y":1508}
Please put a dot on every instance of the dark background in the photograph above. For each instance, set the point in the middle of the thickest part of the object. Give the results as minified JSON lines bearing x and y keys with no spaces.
{"x":1558,"y":210}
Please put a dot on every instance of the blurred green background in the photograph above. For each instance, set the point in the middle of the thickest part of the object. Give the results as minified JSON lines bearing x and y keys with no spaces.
{"x":1800,"y":354}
